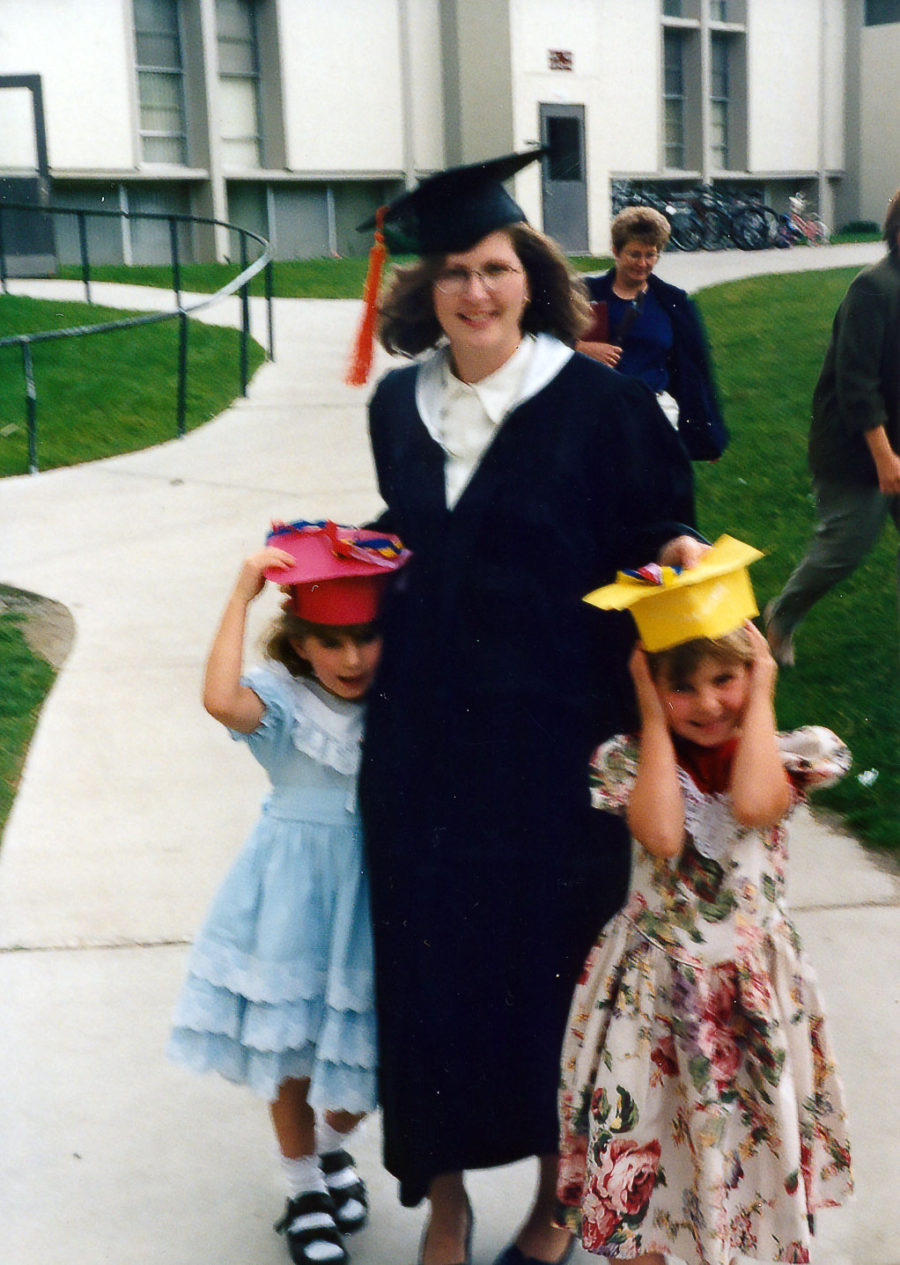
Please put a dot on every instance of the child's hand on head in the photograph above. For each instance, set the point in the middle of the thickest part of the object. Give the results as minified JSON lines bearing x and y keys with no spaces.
{"x":648,"y":699}
{"x":252,"y":575}
{"x":763,"y":668}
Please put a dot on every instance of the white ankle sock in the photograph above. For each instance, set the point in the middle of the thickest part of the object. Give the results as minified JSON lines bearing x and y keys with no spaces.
{"x":302,"y":1176}
{"x":328,"y":1138}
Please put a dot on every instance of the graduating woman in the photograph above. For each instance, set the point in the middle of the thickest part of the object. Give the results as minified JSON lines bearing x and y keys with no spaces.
{"x":521,"y":475}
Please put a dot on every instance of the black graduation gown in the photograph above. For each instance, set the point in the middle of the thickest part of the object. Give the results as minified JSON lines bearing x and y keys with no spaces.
{"x":490,"y":873}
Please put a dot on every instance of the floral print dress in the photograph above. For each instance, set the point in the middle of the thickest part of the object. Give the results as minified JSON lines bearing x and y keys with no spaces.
{"x":701,"y":1113}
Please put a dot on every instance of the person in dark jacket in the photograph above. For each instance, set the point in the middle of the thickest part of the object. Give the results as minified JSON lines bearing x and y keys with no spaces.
{"x":651,"y":330}
{"x":854,"y":441}
{"x":521,"y":475}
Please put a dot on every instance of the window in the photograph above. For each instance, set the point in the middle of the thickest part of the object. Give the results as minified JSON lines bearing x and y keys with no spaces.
{"x":672,"y":8}
{"x":564,"y":141}
{"x":881,"y":12}
{"x":673,"y":98}
{"x":160,"y":81}
{"x":239,"y":82}
{"x":718,"y":10}
{"x":718,"y":101}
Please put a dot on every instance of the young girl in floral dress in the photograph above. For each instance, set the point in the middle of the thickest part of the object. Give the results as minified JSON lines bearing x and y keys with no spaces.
{"x":279,"y":991}
{"x":701,"y":1113}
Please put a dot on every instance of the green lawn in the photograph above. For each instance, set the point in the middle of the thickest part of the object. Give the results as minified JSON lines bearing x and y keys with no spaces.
{"x":305,"y":278}
{"x":768,"y":336}
{"x":25,"y":680}
{"x":107,"y":393}
{"x":293,"y":279}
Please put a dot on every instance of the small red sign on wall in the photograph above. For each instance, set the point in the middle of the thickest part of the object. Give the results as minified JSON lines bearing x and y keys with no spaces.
{"x":560,"y":59}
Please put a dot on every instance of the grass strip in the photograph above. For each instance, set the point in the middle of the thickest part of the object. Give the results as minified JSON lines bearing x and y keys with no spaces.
{"x":109,"y":393}
{"x":768,"y":336}
{"x":25,"y":680}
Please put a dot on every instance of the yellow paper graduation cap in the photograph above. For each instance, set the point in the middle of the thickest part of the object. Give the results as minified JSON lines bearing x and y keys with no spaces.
{"x":669,"y":607}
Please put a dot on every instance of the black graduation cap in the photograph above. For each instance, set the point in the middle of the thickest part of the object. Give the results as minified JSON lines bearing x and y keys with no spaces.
{"x":454,"y":209}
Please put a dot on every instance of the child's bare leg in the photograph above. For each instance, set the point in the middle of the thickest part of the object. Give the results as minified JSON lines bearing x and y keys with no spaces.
{"x":444,"y":1238}
{"x":343,"y":1121}
{"x":539,"y":1237}
{"x":652,"y":1258}
{"x":294,"y":1120}
{"x":309,"y":1225}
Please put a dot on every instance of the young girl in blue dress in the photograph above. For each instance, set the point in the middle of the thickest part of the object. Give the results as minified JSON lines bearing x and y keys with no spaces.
{"x":279,"y":991}
{"x":702,"y":1116}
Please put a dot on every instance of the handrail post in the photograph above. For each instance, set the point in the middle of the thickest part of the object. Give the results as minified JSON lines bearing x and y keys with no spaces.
{"x":181,"y":404}
{"x":270,"y":288}
{"x":182,"y":372}
{"x":30,"y":404}
{"x":4,"y":280}
{"x":85,"y":258}
{"x":245,"y":316}
{"x":176,"y":262}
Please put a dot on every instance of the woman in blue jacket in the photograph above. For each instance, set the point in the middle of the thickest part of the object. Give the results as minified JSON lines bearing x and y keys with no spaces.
{"x":650,"y":330}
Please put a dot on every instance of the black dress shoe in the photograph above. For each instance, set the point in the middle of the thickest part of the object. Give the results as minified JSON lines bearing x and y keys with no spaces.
{"x":514,"y":1255}
{"x":347,"y":1190}
{"x":308,"y":1221}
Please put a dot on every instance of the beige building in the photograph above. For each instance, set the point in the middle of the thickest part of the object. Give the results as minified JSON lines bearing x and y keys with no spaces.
{"x":296,"y":117}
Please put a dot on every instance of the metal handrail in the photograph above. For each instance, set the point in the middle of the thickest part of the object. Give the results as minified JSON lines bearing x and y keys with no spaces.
{"x":182,"y":311}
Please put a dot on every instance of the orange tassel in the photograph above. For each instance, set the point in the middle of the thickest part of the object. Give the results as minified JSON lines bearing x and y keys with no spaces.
{"x":364,"y":343}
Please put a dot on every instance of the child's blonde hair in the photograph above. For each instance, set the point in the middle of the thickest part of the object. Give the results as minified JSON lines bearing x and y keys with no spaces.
{"x":279,"y":642}
{"x":678,"y":664}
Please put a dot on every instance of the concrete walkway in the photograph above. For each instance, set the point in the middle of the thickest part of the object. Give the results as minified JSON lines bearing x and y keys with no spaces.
{"x":133,"y":803}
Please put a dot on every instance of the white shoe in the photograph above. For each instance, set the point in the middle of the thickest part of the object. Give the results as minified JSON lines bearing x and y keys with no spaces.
{"x":782,"y":647}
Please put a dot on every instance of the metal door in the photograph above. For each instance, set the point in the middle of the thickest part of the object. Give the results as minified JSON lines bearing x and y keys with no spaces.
{"x":564,"y":182}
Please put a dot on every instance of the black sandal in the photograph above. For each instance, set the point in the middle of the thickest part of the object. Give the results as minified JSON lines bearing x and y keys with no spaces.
{"x":310,"y":1219}
{"x":347,"y":1189}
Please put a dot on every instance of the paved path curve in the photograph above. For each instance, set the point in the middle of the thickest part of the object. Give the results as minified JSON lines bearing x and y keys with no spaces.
{"x":133,"y":802}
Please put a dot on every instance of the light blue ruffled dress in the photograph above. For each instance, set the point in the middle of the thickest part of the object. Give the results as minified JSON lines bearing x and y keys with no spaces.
{"x":279,"y":979}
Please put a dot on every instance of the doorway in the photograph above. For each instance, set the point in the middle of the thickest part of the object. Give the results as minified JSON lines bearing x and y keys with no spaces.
{"x":564,"y":182}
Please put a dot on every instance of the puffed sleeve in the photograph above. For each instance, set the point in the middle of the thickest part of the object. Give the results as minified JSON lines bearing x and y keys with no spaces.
{"x":613,"y":769}
{"x":813,"y":757}
{"x":277,"y":697}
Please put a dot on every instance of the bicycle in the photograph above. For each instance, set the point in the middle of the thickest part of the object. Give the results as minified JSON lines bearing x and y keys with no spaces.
{"x":795,"y":228}
{"x":684,"y":233}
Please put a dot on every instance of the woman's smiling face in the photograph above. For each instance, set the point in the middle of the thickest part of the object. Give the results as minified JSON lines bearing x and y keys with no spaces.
{"x":635,"y":261}
{"x":482,"y":313}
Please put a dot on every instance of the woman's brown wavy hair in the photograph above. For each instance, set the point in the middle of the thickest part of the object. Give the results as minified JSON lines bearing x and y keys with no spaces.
{"x":558,"y":302}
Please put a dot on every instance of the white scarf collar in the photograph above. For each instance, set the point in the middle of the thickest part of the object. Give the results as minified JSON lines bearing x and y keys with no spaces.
{"x":545,"y":355}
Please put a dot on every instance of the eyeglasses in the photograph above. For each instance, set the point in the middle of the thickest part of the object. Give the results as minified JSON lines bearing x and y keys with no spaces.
{"x":493,"y":277}
{"x":641,"y":256}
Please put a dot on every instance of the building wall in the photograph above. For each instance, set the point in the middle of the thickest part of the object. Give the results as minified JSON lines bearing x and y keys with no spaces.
{"x":343,"y":92}
{"x":784,"y":50}
{"x":619,"y":90}
{"x":360,"y":97}
{"x":84,"y":53}
{"x":426,"y":108}
{"x":879,"y":128}
{"x":17,"y":137}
